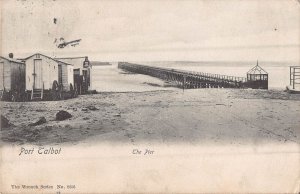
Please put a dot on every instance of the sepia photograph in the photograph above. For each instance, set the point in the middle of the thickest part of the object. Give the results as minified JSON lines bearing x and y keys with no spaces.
{"x":148,"y":96}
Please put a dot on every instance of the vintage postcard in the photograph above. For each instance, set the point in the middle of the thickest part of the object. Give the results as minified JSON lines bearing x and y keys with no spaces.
{"x":148,"y":96}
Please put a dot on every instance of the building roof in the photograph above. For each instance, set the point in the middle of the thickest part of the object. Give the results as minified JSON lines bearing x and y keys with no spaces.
{"x":70,"y":57}
{"x":12,"y":60}
{"x":75,"y":61}
{"x":257,"y":70}
{"x":54,"y":59}
{"x":36,"y":54}
{"x":63,"y":62}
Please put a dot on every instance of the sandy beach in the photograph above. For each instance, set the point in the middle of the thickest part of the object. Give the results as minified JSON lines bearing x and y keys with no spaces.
{"x":145,"y":110}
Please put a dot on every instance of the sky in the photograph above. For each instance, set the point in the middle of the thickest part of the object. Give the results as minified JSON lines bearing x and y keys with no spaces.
{"x":154,"y":30}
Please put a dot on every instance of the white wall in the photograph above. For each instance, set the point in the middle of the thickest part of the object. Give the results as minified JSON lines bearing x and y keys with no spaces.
{"x":67,"y":76}
{"x":5,"y":75}
{"x":49,"y":71}
{"x":70,"y":75}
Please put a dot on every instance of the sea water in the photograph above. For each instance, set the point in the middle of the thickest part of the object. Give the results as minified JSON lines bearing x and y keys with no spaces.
{"x":279,"y":72}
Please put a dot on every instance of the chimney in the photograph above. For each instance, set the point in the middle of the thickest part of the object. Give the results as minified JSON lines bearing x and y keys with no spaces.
{"x":11,"y":55}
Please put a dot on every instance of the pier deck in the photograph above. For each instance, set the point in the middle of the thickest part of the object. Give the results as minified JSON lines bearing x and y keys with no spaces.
{"x":186,"y":79}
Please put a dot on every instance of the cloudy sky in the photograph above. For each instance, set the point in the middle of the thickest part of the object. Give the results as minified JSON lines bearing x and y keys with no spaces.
{"x":154,"y":30}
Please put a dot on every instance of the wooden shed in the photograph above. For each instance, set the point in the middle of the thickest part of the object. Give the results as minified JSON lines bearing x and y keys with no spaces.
{"x":12,"y":78}
{"x":82,"y":72}
{"x":41,"y":72}
{"x":65,"y":75}
{"x":257,"y":78}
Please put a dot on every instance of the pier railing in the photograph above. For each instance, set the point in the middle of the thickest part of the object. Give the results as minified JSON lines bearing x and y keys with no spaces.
{"x":186,"y":79}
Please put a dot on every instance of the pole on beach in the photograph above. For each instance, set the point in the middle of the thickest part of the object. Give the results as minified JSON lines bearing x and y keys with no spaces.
{"x":290,"y":76}
{"x":183,"y":84}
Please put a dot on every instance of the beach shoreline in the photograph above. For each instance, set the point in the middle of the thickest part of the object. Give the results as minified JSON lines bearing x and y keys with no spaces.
{"x":195,"y":116}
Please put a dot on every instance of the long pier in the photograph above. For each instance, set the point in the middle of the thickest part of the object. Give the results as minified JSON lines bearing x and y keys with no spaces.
{"x":186,"y":79}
